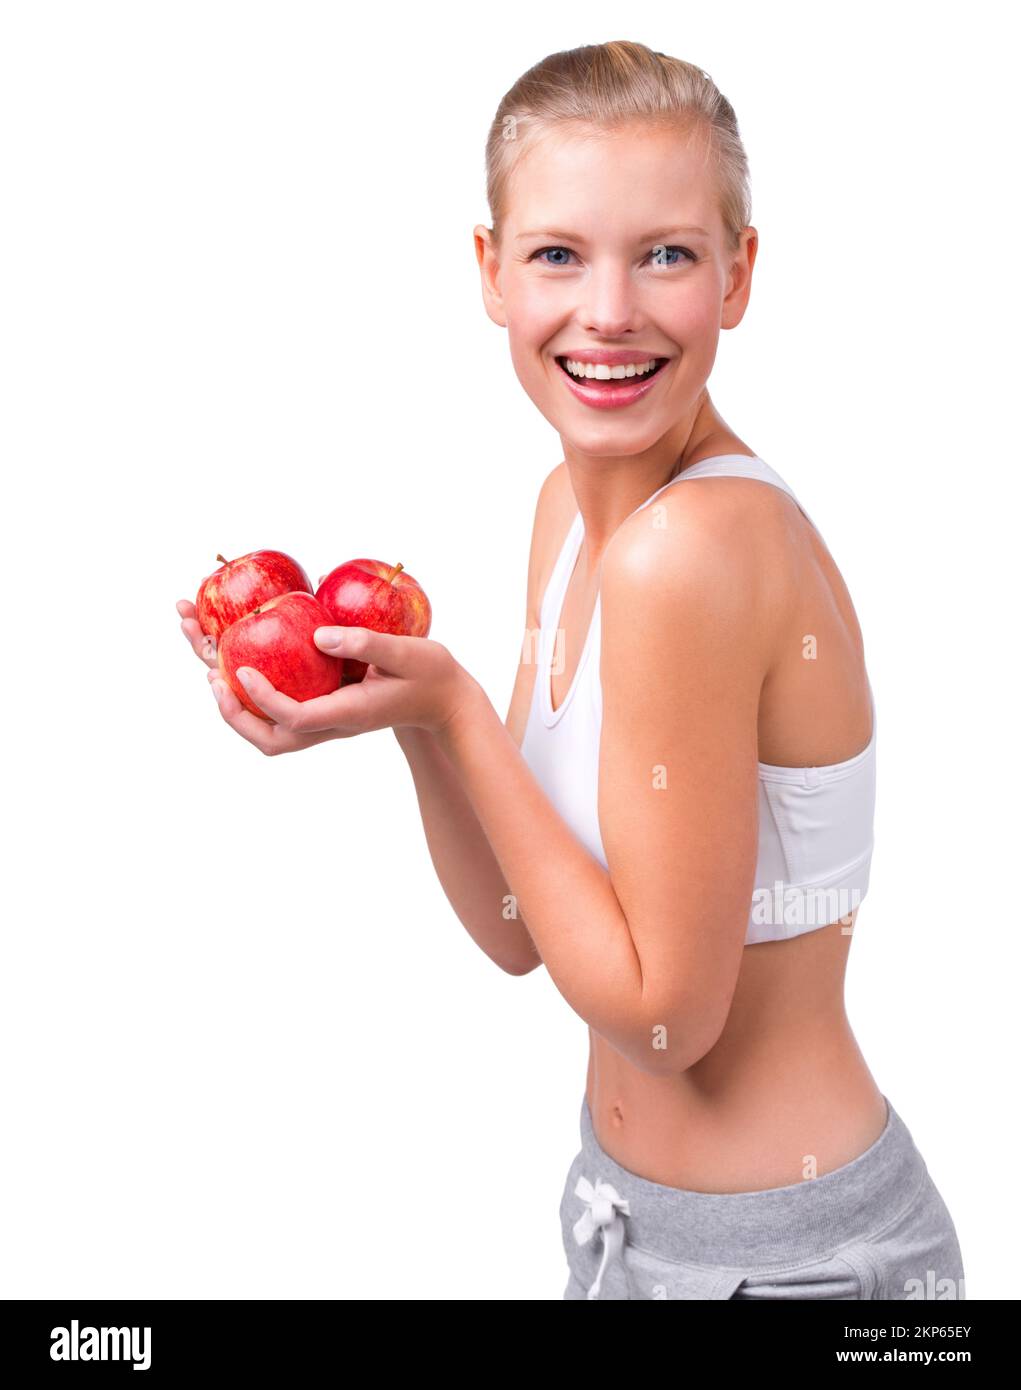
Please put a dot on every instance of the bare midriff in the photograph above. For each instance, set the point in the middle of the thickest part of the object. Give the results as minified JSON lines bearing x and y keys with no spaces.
{"x":783,"y":1095}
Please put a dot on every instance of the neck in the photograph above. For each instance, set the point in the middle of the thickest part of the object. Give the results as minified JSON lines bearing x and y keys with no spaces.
{"x":608,"y":488}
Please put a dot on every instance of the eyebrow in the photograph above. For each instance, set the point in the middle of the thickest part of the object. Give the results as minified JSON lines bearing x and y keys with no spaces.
{"x":656,"y":235}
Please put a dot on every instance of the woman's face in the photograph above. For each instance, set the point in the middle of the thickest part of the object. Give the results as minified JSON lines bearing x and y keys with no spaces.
{"x":613,"y":253}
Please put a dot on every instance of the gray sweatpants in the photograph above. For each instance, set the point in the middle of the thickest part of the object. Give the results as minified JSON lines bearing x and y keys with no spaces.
{"x":876,"y":1227}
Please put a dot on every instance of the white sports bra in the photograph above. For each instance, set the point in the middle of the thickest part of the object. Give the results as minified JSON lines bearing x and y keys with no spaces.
{"x":815,"y":823}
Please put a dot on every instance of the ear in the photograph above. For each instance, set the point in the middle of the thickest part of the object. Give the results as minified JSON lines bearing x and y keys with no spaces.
{"x":740,"y":285}
{"x":489,"y":266}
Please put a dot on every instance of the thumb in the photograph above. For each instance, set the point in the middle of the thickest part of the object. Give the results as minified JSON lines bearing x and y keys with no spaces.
{"x":329,"y":639}
{"x":386,"y":650}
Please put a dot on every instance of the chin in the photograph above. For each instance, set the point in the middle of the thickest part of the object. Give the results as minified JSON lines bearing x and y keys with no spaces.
{"x":611,"y":440}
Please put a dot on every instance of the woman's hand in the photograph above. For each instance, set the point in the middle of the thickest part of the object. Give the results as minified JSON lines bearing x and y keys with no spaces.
{"x":410,"y":681}
{"x":268,"y":737}
{"x":204,"y":647}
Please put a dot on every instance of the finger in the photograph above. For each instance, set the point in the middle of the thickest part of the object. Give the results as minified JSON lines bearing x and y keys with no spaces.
{"x":377,"y":702}
{"x":338,"y":712}
{"x":385,"y":650}
{"x":320,"y":580}
{"x":268,"y":738}
{"x":263,"y":692}
{"x":242,"y":720}
{"x":202,"y":645}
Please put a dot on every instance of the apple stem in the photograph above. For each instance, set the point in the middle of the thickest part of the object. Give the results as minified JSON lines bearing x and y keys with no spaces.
{"x":222,"y":560}
{"x":395,"y":570}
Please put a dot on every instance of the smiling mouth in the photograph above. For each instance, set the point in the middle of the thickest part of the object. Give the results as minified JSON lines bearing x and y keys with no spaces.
{"x":599,"y":374}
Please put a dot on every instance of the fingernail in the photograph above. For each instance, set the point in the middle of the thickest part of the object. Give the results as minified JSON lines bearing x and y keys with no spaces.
{"x":329,"y":636}
{"x":216,"y":690}
{"x":244,"y":676}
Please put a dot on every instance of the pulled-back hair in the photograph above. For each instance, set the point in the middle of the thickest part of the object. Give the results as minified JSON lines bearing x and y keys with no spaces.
{"x":610,"y":85}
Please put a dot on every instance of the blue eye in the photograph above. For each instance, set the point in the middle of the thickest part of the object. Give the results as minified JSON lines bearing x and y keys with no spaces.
{"x":660,"y":255}
{"x":562,"y":250}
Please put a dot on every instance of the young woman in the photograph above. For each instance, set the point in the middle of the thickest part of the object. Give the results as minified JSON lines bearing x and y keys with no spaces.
{"x":676,"y":818}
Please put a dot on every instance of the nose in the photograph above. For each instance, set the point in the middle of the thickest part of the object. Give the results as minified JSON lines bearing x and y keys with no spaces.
{"x":609,"y":301}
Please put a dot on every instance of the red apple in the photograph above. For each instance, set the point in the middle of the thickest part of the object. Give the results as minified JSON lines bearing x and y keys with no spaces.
{"x":368,"y":593}
{"x":276,"y":639}
{"x":241,"y":585}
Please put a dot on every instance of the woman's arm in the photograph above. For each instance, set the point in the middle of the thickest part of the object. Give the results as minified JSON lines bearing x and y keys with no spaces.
{"x":461,"y":854}
{"x":463,"y":858}
{"x":649,"y":959}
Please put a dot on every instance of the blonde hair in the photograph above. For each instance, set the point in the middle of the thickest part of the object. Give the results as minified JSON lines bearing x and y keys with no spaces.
{"x":609,"y":85}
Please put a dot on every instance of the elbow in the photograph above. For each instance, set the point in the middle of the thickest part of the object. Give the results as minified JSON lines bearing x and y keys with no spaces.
{"x":518,"y":967}
{"x":521,"y":964}
{"x":522,"y":957}
{"x":669,"y":1047}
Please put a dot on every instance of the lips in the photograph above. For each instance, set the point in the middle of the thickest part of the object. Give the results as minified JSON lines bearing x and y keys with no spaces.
{"x":613,"y":381}
{"x":606,"y":391}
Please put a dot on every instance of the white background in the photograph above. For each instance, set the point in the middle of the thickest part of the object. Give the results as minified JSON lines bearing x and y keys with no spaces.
{"x":247,"y":1048}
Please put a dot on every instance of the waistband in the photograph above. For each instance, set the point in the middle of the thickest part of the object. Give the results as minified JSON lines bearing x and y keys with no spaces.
{"x":771,"y":1227}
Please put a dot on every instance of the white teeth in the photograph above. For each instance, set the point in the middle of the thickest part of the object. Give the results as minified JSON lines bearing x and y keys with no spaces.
{"x":601,"y":372}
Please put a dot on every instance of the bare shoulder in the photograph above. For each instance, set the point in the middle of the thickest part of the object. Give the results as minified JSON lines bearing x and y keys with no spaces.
{"x":734,"y":543}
